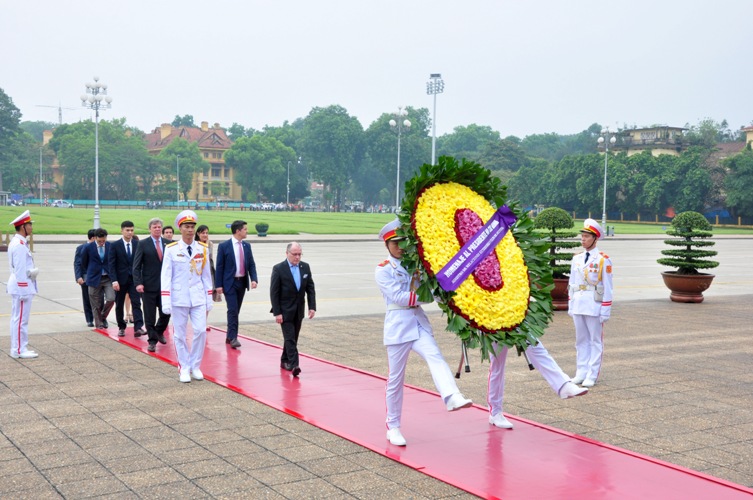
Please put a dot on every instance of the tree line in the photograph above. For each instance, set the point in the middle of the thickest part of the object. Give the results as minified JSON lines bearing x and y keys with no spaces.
{"x":356,"y":164}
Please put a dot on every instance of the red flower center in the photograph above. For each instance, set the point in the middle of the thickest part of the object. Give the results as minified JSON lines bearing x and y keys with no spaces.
{"x":486,"y":275}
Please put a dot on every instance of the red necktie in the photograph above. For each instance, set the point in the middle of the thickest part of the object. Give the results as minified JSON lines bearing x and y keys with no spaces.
{"x":242,"y":267}
{"x":159,"y":249}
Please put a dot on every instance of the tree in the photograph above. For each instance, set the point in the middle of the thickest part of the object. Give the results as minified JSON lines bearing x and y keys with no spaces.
{"x":190,"y":163}
{"x":36,"y":129}
{"x":739,"y":183}
{"x":380,"y":172}
{"x":466,"y":142}
{"x":10,"y":117}
{"x":260,"y":164}
{"x":708,"y":133}
{"x":504,"y":154}
{"x":332,"y":144}
{"x":183,"y":121}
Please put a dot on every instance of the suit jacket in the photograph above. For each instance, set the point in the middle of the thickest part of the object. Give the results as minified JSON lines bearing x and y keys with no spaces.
{"x":121,"y":267}
{"x":286,"y":299}
{"x":225,"y":271}
{"x":92,"y":265}
{"x":146,"y":264}
{"x":78,"y":270}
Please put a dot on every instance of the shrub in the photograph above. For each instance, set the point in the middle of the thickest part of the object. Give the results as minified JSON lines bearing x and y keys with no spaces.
{"x":690,"y":230}
{"x":556,"y":226}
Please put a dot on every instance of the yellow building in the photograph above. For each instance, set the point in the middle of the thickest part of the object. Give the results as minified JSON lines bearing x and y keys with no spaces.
{"x":659,"y":140}
{"x":213,"y":143}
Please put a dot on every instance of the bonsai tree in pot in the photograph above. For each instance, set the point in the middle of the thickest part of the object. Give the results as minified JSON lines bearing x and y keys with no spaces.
{"x":556,"y":226}
{"x":690,"y":231}
{"x":261,"y":228}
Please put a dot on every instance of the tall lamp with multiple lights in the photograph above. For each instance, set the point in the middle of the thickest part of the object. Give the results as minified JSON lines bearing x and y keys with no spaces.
{"x":41,"y":199}
{"x":96,"y":99}
{"x":177,"y":176}
{"x":433,"y":87}
{"x":398,"y":123}
{"x":606,"y":138}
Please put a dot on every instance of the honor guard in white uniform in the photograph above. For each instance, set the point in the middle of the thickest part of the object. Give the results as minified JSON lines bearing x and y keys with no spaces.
{"x":186,"y":291}
{"x":407,"y":328}
{"x":22,"y":286}
{"x":590,"y":303}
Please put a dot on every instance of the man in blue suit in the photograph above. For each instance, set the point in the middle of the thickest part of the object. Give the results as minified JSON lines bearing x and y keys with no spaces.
{"x":78,"y":273}
{"x":94,"y":262}
{"x":236,"y":273}
{"x":121,"y":266}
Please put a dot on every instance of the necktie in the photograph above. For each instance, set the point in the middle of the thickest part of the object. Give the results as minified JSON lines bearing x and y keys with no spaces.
{"x":297,"y":277}
{"x":587,"y":254}
{"x":102,"y":253}
{"x":242,"y":267}
{"x":128,"y":250}
{"x":158,"y":245}
{"x":189,"y":250}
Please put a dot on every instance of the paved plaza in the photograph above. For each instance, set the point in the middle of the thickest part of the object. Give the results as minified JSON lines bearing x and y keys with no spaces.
{"x":91,"y":417}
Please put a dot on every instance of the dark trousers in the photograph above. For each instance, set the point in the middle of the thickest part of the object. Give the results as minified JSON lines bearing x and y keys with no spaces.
{"x":88,"y":314}
{"x":128,"y":288}
{"x":290,"y":331}
{"x":154,"y":327}
{"x":234,"y":300}
{"x":102,"y":299}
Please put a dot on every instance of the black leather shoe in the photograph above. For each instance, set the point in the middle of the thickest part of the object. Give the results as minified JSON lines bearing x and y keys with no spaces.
{"x":105,"y":324}
{"x":296,"y":371}
{"x":152,"y":347}
{"x":139,"y":332}
{"x":286,"y":366}
{"x":161,"y":339}
{"x":235,"y":344}
{"x":90,"y":324}
{"x":121,"y":332}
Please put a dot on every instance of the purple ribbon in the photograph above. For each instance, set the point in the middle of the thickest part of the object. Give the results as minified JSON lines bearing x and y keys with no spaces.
{"x":476,"y":249}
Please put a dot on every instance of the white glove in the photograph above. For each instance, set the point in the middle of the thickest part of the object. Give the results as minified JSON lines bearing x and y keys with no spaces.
{"x":570,"y":308}
{"x":32,"y":273}
{"x":166,"y":310}
{"x":210,"y":305}
{"x":25,"y":298}
{"x":604,"y":313}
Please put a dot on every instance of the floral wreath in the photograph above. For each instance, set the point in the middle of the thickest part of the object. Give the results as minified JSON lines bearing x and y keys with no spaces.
{"x":507,"y":297}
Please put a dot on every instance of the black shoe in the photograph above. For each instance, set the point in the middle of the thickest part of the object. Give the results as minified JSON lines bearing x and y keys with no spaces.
{"x":121,"y":332}
{"x":161,"y":339}
{"x":139,"y":332}
{"x":233,"y":343}
{"x":296,"y":371}
{"x":152,"y":347}
{"x":105,"y":324}
{"x":286,"y":366}
{"x":90,"y":324}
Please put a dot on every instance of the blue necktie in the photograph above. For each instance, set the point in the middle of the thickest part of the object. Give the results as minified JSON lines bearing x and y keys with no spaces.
{"x":102,"y":253}
{"x":297,"y":276}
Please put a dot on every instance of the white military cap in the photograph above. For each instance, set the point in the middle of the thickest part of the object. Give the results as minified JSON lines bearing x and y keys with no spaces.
{"x":592,"y":227}
{"x":389,"y":231}
{"x":186,"y":216}
{"x":22,"y":219}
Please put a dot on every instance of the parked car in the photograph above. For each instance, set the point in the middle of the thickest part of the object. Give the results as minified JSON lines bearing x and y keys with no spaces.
{"x":62,"y":204}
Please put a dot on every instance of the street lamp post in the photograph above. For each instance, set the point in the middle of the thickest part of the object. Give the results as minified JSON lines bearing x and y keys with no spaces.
{"x":287,"y":195}
{"x":433,"y":87}
{"x":96,"y":100}
{"x":41,"y":199}
{"x":177,"y":176}
{"x":606,"y":138}
{"x":398,"y":123}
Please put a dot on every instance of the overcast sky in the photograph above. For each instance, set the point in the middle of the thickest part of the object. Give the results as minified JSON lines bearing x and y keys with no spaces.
{"x":521,"y":67}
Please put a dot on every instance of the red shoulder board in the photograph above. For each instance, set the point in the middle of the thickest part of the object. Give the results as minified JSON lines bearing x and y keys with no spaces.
{"x":604,"y":255}
{"x":22,"y":242}
{"x":384,"y":263}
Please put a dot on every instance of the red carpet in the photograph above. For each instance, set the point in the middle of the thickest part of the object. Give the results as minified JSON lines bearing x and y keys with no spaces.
{"x":460,"y":448}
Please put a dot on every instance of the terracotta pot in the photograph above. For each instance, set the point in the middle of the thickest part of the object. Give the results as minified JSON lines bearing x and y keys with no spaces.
{"x":559,"y":294}
{"x":687,"y":287}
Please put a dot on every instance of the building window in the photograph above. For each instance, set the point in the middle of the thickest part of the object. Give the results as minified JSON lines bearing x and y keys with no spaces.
{"x":206,"y":155}
{"x":216,"y":172}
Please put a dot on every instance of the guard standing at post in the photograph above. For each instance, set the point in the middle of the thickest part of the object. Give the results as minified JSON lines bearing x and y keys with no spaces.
{"x":22,"y":286}
{"x":590,"y":303}
{"x":186,"y":284}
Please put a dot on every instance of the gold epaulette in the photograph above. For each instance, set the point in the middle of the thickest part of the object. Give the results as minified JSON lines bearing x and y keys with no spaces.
{"x":384,"y":263}
{"x":604,"y":255}
{"x":203,"y":244}
{"x":171,"y":244}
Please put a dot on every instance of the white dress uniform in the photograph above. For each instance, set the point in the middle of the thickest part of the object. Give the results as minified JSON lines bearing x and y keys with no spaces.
{"x":590,"y":305}
{"x":407,"y":328}
{"x":186,"y":283}
{"x":22,"y":286}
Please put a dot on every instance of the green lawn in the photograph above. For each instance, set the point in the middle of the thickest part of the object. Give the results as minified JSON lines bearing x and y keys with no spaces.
{"x":48,"y":220}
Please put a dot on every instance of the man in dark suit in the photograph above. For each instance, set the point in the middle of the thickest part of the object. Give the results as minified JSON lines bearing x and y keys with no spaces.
{"x":147,"y":267}
{"x":78,"y":274}
{"x":291,"y":283}
{"x":95,"y":263}
{"x":121,"y":269}
{"x":235,"y":273}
